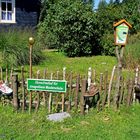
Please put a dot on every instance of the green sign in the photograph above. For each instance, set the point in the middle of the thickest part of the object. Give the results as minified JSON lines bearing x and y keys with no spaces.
{"x":121,"y":34}
{"x":46,"y":85}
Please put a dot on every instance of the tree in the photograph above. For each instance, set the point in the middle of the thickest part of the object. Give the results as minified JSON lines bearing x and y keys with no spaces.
{"x":117,"y":1}
{"x":93,"y":4}
{"x":131,"y":11}
{"x":111,"y":2}
{"x":71,"y":26}
{"x":102,"y":4}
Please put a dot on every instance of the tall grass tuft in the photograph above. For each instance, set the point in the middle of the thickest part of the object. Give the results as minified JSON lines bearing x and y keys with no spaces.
{"x":132,"y":52}
{"x":14,"y":47}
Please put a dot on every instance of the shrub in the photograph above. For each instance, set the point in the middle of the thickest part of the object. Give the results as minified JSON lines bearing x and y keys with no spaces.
{"x":107,"y":43}
{"x":72,"y":27}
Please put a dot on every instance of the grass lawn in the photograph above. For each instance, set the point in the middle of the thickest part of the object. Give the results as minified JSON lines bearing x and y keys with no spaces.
{"x":108,"y":124}
{"x":55,"y":61}
{"x":123,"y":124}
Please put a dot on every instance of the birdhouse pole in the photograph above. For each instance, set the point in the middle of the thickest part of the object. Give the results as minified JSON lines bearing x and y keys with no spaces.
{"x":121,"y":29}
{"x":31,"y":42}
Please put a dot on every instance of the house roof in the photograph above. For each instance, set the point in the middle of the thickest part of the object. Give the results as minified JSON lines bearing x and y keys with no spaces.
{"x":122,"y":21}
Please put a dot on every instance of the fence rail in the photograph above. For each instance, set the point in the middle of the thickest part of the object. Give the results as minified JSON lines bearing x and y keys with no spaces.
{"x":82,"y":92}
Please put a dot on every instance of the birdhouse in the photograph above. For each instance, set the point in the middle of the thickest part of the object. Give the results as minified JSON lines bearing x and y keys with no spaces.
{"x":121,"y":29}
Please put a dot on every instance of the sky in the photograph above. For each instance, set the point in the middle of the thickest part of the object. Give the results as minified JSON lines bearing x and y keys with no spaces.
{"x":97,"y":2}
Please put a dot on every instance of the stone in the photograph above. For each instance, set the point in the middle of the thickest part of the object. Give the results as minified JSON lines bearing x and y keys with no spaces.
{"x":58,"y":116}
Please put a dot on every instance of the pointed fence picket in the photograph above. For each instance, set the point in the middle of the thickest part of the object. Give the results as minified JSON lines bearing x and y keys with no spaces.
{"x":78,"y":95}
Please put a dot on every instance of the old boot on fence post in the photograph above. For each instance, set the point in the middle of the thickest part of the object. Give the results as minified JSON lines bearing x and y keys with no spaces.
{"x":15,"y":91}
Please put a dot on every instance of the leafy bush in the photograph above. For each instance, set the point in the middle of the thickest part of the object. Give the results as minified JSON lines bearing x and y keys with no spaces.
{"x":14,"y":48}
{"x":72,"y":27}
{"x":107,"y":42}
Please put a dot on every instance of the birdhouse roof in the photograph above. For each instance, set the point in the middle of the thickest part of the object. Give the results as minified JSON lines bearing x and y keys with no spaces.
{"x":122,"y":21}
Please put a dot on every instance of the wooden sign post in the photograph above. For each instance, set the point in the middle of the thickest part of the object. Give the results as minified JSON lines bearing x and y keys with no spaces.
{"x":31,"y":42}
{"x":121,"y":29}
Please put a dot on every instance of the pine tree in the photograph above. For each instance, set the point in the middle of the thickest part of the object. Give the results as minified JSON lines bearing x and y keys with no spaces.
{"x":93,"y":4}
{"x":102,"y":4}
{"x":111,"y":2}
{"x":117,"y":1}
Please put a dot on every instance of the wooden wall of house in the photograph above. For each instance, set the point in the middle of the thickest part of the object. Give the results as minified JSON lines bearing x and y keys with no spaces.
{"x":27,"y":14}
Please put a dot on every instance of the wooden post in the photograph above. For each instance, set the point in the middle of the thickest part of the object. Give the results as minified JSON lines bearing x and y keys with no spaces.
{"x":57,"y":96}
{"x":44,"y":93}
{"x":6,"y":79}
{"x":11,"y":73}
{"x":63,"y":102}
{"x":23,"y":88}
{"x":63,"y":96}
{"x":70,"y":92}
{"x":100,"y":92}
{"x":125,"y":90}
{"x":94,"y":76}
{"x":64,"y":73}
{"x":50,"y":98}
{"x":38,"y":96}
{"x":89,"y":76}
{"x":82,"y":102}
{"x":136,"y":82}
{"x":105,"y":89}
{"x":57,"y":77}
{"x":15,"y":91}
{"x":119,"y":75}
{"x":31,"y":42}
{"x":110,"y":85}
{"x":30,"y":102}
{"x":1,"y":73}
{"x":130,"y":89}
{"x":122,"y":92}
{"x":77,"y":90}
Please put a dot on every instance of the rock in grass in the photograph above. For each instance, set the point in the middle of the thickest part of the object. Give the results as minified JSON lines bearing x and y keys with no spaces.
{"x":58,"y":116}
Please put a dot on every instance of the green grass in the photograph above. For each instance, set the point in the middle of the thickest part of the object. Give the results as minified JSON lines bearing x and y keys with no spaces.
{"x":123,"y":124}
{"x":55,"y":61}
{"x":132,"y":55}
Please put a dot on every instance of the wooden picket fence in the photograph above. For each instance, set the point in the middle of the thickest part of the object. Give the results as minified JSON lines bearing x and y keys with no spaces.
{"x":79,"y":95}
